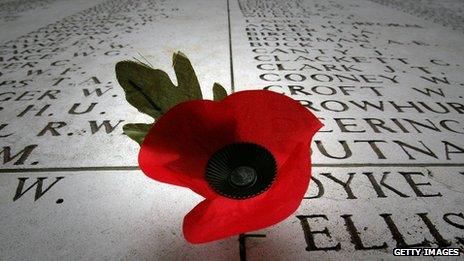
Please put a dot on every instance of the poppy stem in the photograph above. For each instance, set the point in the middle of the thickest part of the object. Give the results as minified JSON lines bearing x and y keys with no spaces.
{"x":242,"y":247}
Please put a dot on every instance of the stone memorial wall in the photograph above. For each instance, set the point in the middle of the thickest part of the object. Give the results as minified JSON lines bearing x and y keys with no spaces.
{"x":388,"y":165}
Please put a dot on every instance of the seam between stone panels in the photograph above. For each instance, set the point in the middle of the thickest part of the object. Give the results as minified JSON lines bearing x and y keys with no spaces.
{"x":232,"y":82}
{"x":64,"y":169}
{"x":316,"y":165}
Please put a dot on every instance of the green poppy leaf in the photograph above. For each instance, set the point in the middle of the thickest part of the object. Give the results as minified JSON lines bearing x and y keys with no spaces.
{"x":151,"y":90}
{"x":186,"y":77}
{"x":219,"y":92}
{"x":136,"y":131}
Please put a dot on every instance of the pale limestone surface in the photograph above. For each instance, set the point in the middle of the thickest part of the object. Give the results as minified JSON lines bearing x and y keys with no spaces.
{"x":104,"y":208}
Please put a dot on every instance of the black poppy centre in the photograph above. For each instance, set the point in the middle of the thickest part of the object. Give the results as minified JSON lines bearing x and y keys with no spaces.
{"x":241,"y":170}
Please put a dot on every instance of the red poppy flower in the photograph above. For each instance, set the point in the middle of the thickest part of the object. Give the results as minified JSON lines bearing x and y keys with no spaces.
{"x":247,"y":155}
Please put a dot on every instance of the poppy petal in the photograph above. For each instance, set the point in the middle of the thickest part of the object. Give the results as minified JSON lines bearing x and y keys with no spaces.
{"x":272,"y":120}
{"x":222,"y":217}
{"x":178,"y":146}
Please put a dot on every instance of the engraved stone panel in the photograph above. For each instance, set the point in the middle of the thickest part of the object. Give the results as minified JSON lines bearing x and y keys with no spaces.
{"x":61,"y":105}
{"x":98,"y":215}
{"x":388,"y":88}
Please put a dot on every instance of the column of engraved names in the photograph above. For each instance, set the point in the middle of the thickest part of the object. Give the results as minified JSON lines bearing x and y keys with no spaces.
{"x":378,"y":107}
{"x":12,"y":10}
{"x":57,"y":84}
{"x":343,"y":70}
